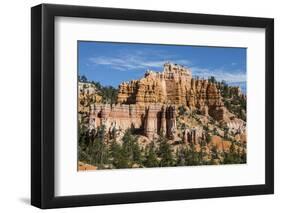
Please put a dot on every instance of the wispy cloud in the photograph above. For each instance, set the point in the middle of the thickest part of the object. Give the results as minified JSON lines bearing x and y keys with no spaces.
{"x":131,"y":63}
{"x":137,"y":60}
{"x":140,"y":60}
{"x":220,"y":74}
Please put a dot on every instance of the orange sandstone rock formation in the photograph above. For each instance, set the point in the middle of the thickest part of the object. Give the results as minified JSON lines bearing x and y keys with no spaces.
{"x":149,"y":105}
{"x":175,"y":86}
{"x":168,"y":87}
{"x":151,"y":120}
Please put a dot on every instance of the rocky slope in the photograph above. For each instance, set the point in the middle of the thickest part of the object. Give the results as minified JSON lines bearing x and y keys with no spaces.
{"x":204,"y":117}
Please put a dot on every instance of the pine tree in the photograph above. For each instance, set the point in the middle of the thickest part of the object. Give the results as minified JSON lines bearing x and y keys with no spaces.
{"x":137,"y":158}
{"x":226,"y":132}
{"x":232,"y":157}
{"x":83,"y":78}
{"x":180,"y":157}
{"x":212,"y":79}
{"x":128,"y":147}
{"x":203,"y":153}
{"x":119,"y":156}
{"x":165,"y":152}
{"x":243,"y":156}
{"x":97,"y":150}
{"x":192,"y":157}
{"x":214,"y":152}
{"x":125,"y":155}
{"x":83,"y":142}
{"x":151,"y":157}
{"x":115,"y":153}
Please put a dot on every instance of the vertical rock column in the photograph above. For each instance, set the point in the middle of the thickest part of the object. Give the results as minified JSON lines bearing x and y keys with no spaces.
{"x":163,"y":128}
{"x":171,"y":122}
{"x":150,"y":126}
{"x":92,"y":118}
{"x":105,"y":110}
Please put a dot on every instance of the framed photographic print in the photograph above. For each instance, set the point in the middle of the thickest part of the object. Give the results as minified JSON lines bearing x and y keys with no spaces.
{"x":139,"y":106}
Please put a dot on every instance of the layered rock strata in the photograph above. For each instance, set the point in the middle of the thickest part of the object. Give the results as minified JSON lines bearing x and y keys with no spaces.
{"x":151,"y":120}
{"x":175,"y":86}
{"x":149,"y":105}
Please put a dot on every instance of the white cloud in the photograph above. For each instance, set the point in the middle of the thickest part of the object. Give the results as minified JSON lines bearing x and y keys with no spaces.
{"x":140,"y":61}
{"x":220,"y":74}
{"x":131,"y":63}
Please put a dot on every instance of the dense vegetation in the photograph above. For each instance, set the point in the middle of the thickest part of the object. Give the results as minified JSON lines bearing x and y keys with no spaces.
{"x":96,"y":149}
{"x":100,"y":149}
{"x":235,"y":103}
{"x":108,"y":93}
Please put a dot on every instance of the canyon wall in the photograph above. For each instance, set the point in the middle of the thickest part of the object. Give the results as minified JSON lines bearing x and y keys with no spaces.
{"x":149,"y":120}
{"x":149,"y":105}
{"x":176,"y":86}
{"x":168,"y":87}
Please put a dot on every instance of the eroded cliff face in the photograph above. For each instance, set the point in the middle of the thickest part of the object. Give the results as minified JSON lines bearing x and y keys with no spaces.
{"x":150,"y":105}
{"x":149,"y":120}
{"x":87,"y":94}
{"x":167,"y":87}
{"x":175,"y":86}
{"x":190,"y":116}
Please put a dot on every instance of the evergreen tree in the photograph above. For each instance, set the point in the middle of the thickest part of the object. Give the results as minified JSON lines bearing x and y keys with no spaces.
{"x":192,"y":157}
{"x":212,"y":79}
{"x":151,"y":157}
{"x":137,"y":158}
{"x":232,"y":157}
{"x":214,"y":152}
{"x":83,"y":78}
{"x":226,"y":132}
{"x":180,"y":157}
{"x":83,"y":142}
{"x":182,"y":110}
{"x":243,"y":156}
{"x":98,"y":149}
{"x":115,"y":153}
{"x":123,"y":161}
{"x":232,"y":148}
{"x":128,"y":145}
{"x":126,"y":155}
{"x":165,"y":153}
{"x":119,"y":156}
{"x":188,"y":155}
{"x":203,"y":153}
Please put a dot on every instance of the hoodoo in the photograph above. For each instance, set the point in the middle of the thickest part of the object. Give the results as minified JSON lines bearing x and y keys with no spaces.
{"x":149,"y":104}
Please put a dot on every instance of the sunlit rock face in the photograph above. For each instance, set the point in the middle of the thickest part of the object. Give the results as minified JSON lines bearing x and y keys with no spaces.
{"x":150,"y":120}
{"x":149,"y":105}
{"x":169,"y":107}
{"x":168,"y":87}
{"x":175,"y":86}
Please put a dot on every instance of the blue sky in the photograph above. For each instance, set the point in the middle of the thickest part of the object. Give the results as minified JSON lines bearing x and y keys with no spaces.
{"x":112,"y":63}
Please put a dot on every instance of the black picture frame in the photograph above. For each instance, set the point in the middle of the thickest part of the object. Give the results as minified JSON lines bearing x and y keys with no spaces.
{"x":43,"y":102}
